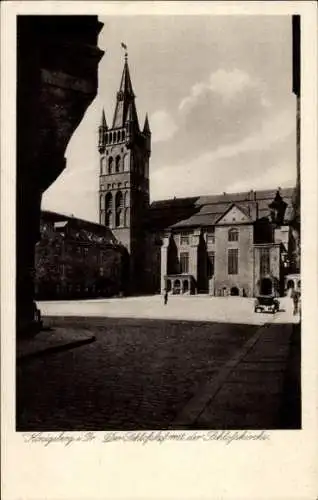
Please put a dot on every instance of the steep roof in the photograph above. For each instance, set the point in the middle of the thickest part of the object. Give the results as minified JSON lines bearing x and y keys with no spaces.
{"x":205,"y":210}
{"x":125,"y":101}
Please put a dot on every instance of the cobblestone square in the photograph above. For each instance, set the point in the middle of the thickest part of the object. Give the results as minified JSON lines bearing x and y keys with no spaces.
{"x":138,"y":374}
{"x":142,"y":373}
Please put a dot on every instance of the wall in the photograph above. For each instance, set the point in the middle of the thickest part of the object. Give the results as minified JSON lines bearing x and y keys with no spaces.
{"x":57,"y":71}
{"x":244,"y":278}
{"x":275,"y":267}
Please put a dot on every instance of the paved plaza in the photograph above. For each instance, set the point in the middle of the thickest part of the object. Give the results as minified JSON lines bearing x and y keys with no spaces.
{"x":148,"y":373}
{"x":191,"y":308}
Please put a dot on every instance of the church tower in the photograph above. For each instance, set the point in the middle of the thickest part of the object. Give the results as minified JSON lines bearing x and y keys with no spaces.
{"x":124,"y":175}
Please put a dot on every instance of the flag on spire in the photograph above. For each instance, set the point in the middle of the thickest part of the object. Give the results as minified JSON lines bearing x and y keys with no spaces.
{"x":124,"y":46}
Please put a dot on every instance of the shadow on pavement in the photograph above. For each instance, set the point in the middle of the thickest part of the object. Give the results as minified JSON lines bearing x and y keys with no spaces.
{"x":139,"y":374}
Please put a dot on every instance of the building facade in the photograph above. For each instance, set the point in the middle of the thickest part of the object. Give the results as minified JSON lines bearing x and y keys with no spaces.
{"x":77,"y":258}
{"x":229,"y":244}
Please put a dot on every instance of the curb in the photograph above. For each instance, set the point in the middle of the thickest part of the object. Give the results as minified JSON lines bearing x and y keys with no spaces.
{"x":21,"y":359}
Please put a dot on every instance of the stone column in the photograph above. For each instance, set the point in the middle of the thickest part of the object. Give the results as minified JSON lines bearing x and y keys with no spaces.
{"x":57,"y":63}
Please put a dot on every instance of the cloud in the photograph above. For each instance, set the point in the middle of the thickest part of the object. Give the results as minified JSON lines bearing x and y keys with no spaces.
{"x":271,"y":132}
{"x":263,"y":159}
{"x":227,"y":84}
{"x":162,"y":126}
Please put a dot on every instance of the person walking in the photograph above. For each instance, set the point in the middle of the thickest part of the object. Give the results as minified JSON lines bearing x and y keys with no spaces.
{"x":295,"y":297}
{"x":165,"y":298}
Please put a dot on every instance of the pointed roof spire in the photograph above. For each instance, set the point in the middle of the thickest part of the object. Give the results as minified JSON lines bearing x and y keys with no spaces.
{"x":125,"y":84}
{"x":103,"y":122}
{"x":125,"y":98}
{"x":146,"y":129}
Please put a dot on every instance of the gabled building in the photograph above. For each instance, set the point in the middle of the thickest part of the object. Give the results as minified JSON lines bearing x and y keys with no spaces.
{"x":232,"y":244}
{"x":235,"y":243}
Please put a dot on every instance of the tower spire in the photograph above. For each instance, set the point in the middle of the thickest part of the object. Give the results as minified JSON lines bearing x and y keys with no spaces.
{"x":102,"y":129}
{"x":146,"y":129}
{"x":103,"y":122}
{"x":125,"y":97}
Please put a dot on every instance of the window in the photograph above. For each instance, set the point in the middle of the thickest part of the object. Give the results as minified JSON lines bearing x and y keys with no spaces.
{"x":233,"y":261}
{"x":210,"y":265}
{"x":110,"y":165}
{"x":184,"y":262}
{"x":117,"y":163}
{"x":233,"y":235}
{"x":108,"y":206}
{"x":119,"y":209}
{"x":108,"y":218}
{"x":108,"y":201}
{"x":264,"y":261}
{"x":185,"y":237}
{"x":210,"y":235}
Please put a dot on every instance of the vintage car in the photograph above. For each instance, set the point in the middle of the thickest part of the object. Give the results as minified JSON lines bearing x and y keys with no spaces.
{"x":266,"y":303}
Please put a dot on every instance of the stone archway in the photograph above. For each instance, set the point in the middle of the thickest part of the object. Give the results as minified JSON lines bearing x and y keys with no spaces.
{"x":235,"y":291}
{"x":185,"y":286}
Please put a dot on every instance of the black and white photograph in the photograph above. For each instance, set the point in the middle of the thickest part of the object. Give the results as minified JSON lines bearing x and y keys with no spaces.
{"x":166,"y":287}
{"x":158,"y":190}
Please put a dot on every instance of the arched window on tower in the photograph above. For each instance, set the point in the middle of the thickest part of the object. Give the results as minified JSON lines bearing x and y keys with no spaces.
{"x":118,"y":136}
{"x":117,"y":163}
{"x":122,"y":135}
{"x":119,"y":209}
{"x":109,"y":208}
{"x":110,"y":165}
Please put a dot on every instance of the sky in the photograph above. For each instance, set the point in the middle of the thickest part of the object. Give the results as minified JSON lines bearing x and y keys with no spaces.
{"x":218,"y":92}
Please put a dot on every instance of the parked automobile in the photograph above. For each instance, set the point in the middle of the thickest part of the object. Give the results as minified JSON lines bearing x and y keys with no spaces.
{"x":266,"y":303}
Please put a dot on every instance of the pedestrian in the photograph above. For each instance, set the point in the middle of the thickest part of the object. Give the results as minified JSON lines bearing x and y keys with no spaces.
{"x":295,"y":297}
{"x":165,"y":297}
